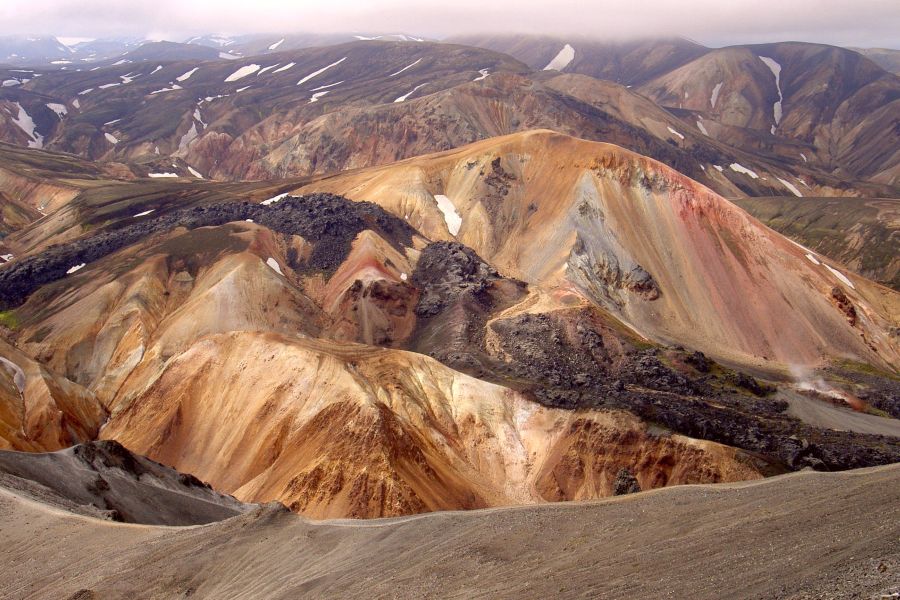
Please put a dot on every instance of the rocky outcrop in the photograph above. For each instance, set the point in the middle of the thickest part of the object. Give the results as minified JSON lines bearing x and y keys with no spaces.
{"x":105,"y":479}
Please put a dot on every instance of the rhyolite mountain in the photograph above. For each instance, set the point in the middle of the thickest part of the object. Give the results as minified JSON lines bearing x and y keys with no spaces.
{"x":513,"y":321}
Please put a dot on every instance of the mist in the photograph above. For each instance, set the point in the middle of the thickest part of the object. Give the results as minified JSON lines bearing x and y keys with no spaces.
{"x":868,"y":23}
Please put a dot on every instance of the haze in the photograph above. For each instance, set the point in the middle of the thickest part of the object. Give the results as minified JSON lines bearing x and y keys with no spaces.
{"x":868,"y":23}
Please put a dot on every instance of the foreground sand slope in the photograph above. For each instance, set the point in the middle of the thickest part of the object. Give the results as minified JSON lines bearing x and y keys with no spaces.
{"x":800,"y":536}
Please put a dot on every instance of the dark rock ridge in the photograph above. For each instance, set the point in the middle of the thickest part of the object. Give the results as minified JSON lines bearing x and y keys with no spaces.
{"x":103,"y":478}
{"x":625,"y":483}
{"x":327,"y":221}
{"x":445,"y":272}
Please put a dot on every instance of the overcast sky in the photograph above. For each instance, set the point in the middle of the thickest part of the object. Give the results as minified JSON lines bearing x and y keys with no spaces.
{"x":868,"y":23}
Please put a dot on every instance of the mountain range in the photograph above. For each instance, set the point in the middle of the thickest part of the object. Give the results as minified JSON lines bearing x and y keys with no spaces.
{"x":377,"y":276}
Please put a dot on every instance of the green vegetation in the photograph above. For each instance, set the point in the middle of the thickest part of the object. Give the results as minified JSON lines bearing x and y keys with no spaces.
{"x":9,"y":319}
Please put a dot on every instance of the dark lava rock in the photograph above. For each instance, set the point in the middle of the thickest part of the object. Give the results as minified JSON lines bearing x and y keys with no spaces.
{"x":699,"y":361}
{"x":445,"y":272}
{"x":329,"y":222}
{"x":625,"y":483}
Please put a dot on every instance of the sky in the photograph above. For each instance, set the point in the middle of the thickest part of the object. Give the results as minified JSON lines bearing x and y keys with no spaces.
{"x":867,"y":23}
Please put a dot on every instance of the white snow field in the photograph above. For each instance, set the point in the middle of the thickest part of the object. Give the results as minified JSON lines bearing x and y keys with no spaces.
{"x":24,"y":122}
{"x":273,"y":264}
{"x":407,"y":67}
{"x":791,"y":187}
{"x":414,"y":90}
{"x":320,"y":71}
{"x":739,"y":168}
{"x":561,"y":60}
{"x":451,"y":217}
{"x":714,"y":97}
{"x":187,"y":75}
{"x":776,"y":71}
{"x":242,"y":72}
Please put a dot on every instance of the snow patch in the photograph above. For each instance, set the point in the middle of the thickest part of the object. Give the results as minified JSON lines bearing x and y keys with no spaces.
{"x":451,"y":217}
{"x":273,"y":264}
{"x":484,"y":74}
{"x":18,"y":374}
{"x":59,"y":109}
{"x":144,"y":214}
{"x":109,"y":85}
{"x":315,"y":97}
{"x":111,"y":138}
{"x":26,"y":124}
{"x":841,"y":277}
{"x":168,"y":89}
{"x":675,"y":132}
{"x":188,"y":137}
{"x":76,"y":103}
{"x":791,"y":187}
{"x":187,"y":75}
{"x":406,"y":68}
{"x":803,"y":156}
{"x":739,"y":168}
{"x":194,"y":172}
{"x":702,"y":128}
{"x":276,"y":44}
{"x":156,"y":70}
{"x":274,"y":199}
{"x":264,"y":69}
{"x":776,"y":71}
{"x":714,"y":97}
{"x":403,"y":276}
{"x":325,"y":87}
{"x":812,"y":259}
{"x":158,"y":175}
{"x":75,"y":268}
{"x":227,"y":56}
{"x":561,"y":60}
{"x":284,"y":68}
{"x":242,"y":72}
{"x":405,"y":96}
{"x":320,"y":71}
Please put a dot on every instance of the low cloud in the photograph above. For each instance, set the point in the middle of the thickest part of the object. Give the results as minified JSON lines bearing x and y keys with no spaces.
{"x":713,"y":22}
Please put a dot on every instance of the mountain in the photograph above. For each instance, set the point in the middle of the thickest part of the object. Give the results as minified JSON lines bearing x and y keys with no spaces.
{"x":260,"y":44}
{"x":104,"y":479}
{"x":834,"y":103}
{"x":637,"y":238}
{"x":887,"y":59}
{"x":372,"y":103}
{"x":34,"y":50}
{"x":800,"y":104}
{"x":370,"y":364}
{"x":858,"y":232}
{"x":169,"y":51}
{"x":677,"y":541}
{"x":627,"y":63}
